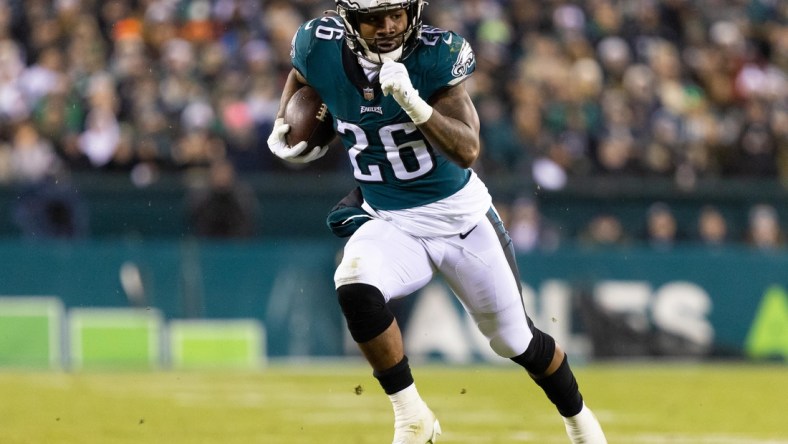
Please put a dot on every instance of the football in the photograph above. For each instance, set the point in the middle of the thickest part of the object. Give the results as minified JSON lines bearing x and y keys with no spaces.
{"x":309,"y":119}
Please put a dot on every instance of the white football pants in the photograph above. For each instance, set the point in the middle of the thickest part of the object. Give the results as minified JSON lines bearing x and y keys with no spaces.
{"x":474,"y":267}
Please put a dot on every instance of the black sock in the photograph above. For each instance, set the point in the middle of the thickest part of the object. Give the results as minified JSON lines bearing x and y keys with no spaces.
{"x":561,"y":388}
{"x":396,"y":378}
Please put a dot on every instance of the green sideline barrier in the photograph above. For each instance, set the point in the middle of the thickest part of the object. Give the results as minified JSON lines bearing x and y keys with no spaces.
{"x":217,"y":344}
{"x":768,"y":336}
{"x":725,"y":302}
{"x":31,"y":332}
{"x":115,"y":339}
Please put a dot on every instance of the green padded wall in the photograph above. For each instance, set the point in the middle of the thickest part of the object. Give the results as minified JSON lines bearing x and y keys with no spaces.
{"x":217,"y":344}
{"x":31,"y":332}
{"x":115,"y":338}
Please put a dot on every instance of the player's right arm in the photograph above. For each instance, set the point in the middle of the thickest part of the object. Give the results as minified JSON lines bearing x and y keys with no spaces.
{"x":293,"y":83}
{"x":276,"y":141}
{"x":300,"y":48}
{"x":309,"y":34}
{"x":311,"y":42}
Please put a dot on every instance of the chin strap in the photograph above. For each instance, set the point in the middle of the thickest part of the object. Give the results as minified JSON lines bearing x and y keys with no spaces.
{"x":379,"y":57}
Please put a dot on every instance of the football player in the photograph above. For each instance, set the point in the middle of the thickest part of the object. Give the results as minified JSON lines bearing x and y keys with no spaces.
{"x":395,"y":89}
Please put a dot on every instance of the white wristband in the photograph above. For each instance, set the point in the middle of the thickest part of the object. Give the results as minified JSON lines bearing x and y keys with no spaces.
{"x":418,"y":110}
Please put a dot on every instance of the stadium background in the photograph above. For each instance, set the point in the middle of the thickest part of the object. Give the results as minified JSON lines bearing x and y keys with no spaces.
{"x":638,"y":151}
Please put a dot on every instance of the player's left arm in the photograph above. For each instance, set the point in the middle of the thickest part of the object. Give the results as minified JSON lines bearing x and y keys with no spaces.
{"x":453,"y":126}
{"x":449,"y":120}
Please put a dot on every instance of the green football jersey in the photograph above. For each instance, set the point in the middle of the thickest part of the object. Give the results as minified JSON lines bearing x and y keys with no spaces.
{"x":392,"y":161}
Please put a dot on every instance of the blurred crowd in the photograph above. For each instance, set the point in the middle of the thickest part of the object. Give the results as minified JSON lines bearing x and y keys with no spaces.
{"x":662,"y":228}
{"x":139,"y":86}
{"x":671,"y":88}
{"x":682,"y":89}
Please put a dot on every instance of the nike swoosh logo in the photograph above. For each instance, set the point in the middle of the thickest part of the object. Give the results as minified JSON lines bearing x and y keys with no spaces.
{"x":351,"y":218}
{"x":464,"y":235}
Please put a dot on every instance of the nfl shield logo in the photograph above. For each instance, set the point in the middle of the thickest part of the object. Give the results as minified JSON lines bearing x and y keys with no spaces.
{"x":369,"y":93}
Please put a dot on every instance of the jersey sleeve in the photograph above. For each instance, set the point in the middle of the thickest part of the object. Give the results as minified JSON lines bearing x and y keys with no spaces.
{"x":447,"y":59}
{"x":300,"y":48}
{"x":314,"y":42}
{"x":460,"y":55}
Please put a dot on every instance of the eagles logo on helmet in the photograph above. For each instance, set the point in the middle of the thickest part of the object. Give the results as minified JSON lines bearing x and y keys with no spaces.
{"x":349,"y":11}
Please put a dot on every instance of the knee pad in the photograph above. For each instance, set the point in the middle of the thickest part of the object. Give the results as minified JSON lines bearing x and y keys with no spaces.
{"x":539,"y":354}
{"x":365,"y":311}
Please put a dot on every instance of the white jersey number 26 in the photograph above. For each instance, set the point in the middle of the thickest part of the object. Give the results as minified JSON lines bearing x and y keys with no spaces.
{"x":415,"y":151}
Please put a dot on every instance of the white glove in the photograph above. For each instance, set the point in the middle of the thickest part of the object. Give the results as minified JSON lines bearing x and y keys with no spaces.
{"x":278,"y":145}
{"x":394,"y":80}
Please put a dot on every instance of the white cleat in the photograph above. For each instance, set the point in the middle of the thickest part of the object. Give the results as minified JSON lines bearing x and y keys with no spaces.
{"x":584,"y":428}
{"x":423,"y":429}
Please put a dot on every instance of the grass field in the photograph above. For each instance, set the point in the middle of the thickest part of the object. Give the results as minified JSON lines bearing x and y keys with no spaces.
{"x":321,"y":403}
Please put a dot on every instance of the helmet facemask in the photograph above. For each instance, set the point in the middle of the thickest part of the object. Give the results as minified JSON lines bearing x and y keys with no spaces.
{"x":350,"y":11}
